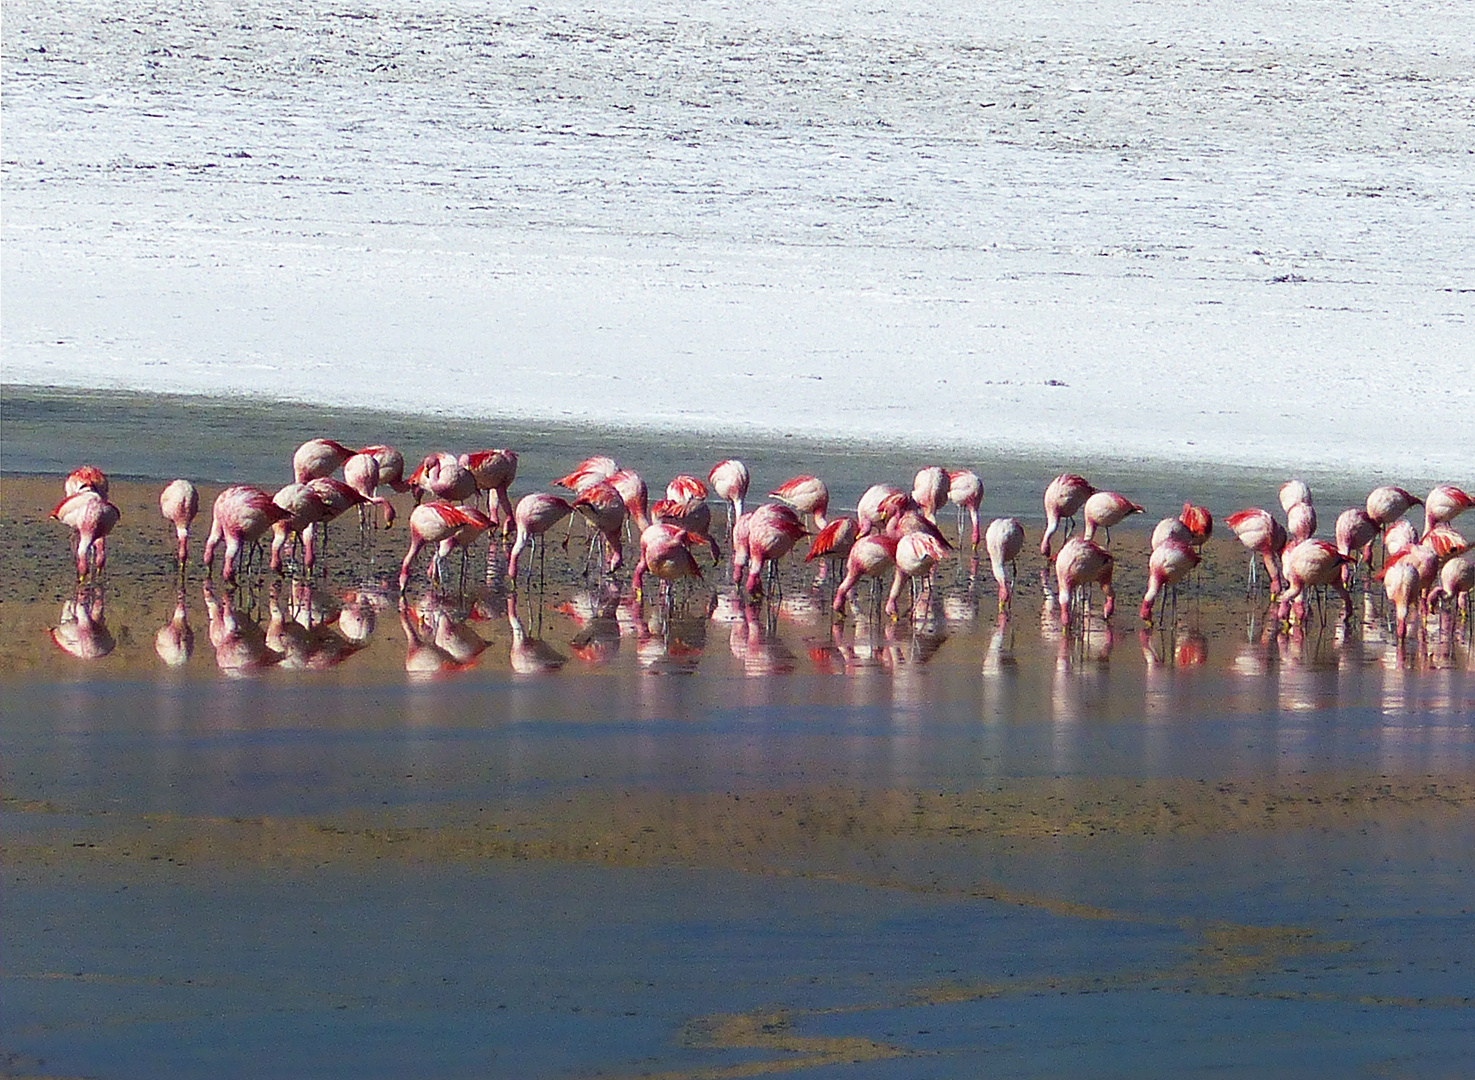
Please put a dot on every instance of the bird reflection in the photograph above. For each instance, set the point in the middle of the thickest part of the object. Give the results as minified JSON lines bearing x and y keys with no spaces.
{"x":239,"y":642}
{"x":998,"y":657}
{"x":428,"y":631}
{"x":596,"y":613}
{"x":175,"y":641}
{"x":671,"y":646}
{"x":82,"y":630}
{"x":530,"y":655}
{"x":299,"y":627}
{"x":756,"y":642}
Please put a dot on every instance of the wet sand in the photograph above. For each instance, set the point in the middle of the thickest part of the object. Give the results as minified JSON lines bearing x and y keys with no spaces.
{"x":728,"y":843}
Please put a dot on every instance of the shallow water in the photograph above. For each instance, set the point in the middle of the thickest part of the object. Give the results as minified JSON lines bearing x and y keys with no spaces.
{"x":725,"y":842}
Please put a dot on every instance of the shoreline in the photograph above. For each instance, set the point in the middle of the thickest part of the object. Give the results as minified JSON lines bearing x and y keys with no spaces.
{"x":229,"y":439}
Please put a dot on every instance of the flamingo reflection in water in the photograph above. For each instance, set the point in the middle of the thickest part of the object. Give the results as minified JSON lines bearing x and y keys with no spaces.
{"x":238,"y":639}
{"x":82,"y":631}
{"x":175,"y":641}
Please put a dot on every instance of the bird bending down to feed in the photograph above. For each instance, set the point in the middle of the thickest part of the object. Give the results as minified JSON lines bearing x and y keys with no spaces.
{"x":440,"y":524}
{"x":179,"y":502}
{"x":1065,"y":495}
{"x":318,"y":457}
{"x":91,"y":517}
{"x":241,"y":515}
{"x":1104,"y":509}
{"x":1308,"y":564}
{"x":729,"y":479}
{"x":1170,"y":563}
{"x":965,"y":491}
{"x":1264,"y":536}
{"x":535,"y":515}
{"x":1083,"y":562}
{"x":1004,"y":540}
{"x":665,"y":552}
{"x":871,"y":556}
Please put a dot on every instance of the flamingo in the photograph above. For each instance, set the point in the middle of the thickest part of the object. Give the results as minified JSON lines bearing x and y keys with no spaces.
{"x":179,"y":502}
{"x":1441,"y":506}
{"x":91,"y":517}
{"x":1398,"y":538}
{"x":1385,"y":505}
{"x":1170,"y":563}
{"x":1103,"y":509}
{"x":965,"y":491}
{"x":86,"y":478}
{"x":241,"y":515}
{"x":589,"y":471}
{"x":729,"y":480}
{"x":1199,"y":523}
{"x":438,"y":523}
{"x":82,"y":631}
{"x":318,"y":457}
{"x":1355,"y":531}
{"x":871,"y":511}
{"x":1402,"y":584}
{"x":686,"y":489}
{"x":916,"y":554}
{"x":1300,"y":522}
{"x":693,"y":516}
{"x":833,"y":544}
{"x":339,"y":498}
{"x":1308,"y":564}
{"x":930,"y":490}
{"x":637,"y":499}
{"x":1457,"y":578}
{"x":1004,"y":540}
{"x":1170,"y":529}
{"x":664,"y":552}
{"x":362,"y":473}
{"x":1445,"y":541}
{"x":773,"y":531}
{"x":1264,"y":536}
{"x":1083,"y":562}
{"x":808,"y":495}
{"x":871,"y":556}
{"x":305,"y":508}
{"x":1293,"y":492}
{"x":494,"y":471}
{"x":391,"y":467}
{"x":601,"y":505}
{"x":1065,"y":495}
{"x":535,"y":515}
{"x":442,"y":477}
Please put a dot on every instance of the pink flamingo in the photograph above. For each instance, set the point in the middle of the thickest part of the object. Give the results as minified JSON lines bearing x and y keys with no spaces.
{"x":1064,"y":496}
{"x":632,"y":489}
{"x":441,"y":524}
{"x":91,"y":517}
{"x":1264,"y":536}
{"x":729,"y":479}
{"x":1355,"y":533}
{"x":930,"y":490}
{"x":86,"y":478}
{"x":773,"y":531}
{"x":318,"y":457}
{"x":1308,"y":564}
{"x":1083,"y":562}
{"x":1385,"y":505}
{"x":494,"y":472}
{"x":179,"y":502}
{"x":965,"y":491}
{"x":1170,"y":563}
{"x":1398,"y":538}
{"x":692,"y":516}
{"x":806,"y":494}
{"x":916,"y":554}
{"x":339,"y":498}
{"x":1445,"y":541}
{"x":871,"y":556}
{"x":1402,"y":584}
{"x":1171,"y":529}
{"x":601,"y":506}
{"x":1456,"y":579}
{"x":833,"y":544}
{"x":686,"y":489}
{"x":1004,"y":540}
{"x":305,"y":509}
{"x":1199,"y":523}
{"x":872,"y":511}
{"x":442,"y":477}
{"x":241,"y":515}
{"x":1442,"y":505}
{"x":1300,"y":522}
{"x":535,"y":515}
{"x":589,"y":471}
{"x":1293,"y":492}
{"x":391,"y":467}
{"x":1103,"y":509}
{"x":664,"y":552}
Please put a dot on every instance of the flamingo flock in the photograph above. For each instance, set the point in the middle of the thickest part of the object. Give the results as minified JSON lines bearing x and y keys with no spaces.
{"x":461,"y":499}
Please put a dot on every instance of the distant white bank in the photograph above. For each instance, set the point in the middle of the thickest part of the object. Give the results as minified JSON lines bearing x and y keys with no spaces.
{"x":1228,"y":233}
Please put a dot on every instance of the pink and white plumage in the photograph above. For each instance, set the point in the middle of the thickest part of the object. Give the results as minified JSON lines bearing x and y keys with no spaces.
{"x":1308,"y":564}
{"x":1105,"y":509}
{"x":1445,"y":503}
{"x":729,"y":479}
{"x":1387,"y":504}
{"x":930,"y":490}
{"x":437,"y":523}
{"x":589,"y":471}
{"x":1300,"y":522}
{"x":870,"y":556}
{"x":1199,"y":523}
{"x":916,"y":554}
{"x":806,"y":494}
{"x":443,"y":477}
{"x":772,"y":532}
{"x":91,"y":517}
{"x":872,"y":513}
{"x":241,"y":515}
{"x":318,"y":457}
{"x":391,"y":466}
{"x":664,"y":552}
{"x":179,"y":502}
{"x":1064,"y":497}
{"x":1171,"y":529}
{"x":535,"y":515}
{"x":1170,"y":563}
{"x":1263,"y":535}
{"x":1083,"y":562}
{"x":965,"y":491}
{"x":1004,"y":540}
{"x":494,"y":472}
{"x":86,"y":478}
{"x":601,"y":505}
{"x":1293,"y":492}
